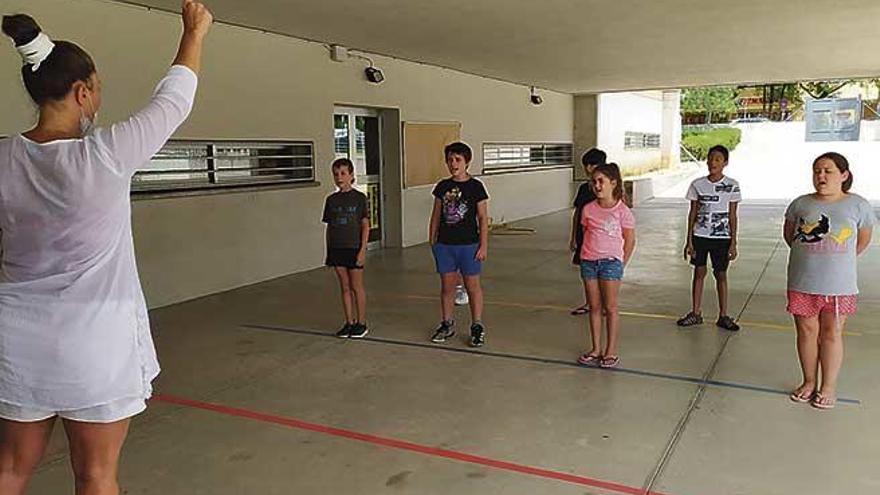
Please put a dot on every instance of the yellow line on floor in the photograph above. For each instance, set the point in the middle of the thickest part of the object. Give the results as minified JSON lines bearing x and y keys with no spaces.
{"x":655,"y":316}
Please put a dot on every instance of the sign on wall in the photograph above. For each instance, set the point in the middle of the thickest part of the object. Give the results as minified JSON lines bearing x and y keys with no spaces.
{"x":834,"y":119}
{"x":423,"y":144}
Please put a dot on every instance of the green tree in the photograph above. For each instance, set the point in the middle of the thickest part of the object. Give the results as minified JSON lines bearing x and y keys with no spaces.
{"x":824,"y":89}
{"x":710,"y":101}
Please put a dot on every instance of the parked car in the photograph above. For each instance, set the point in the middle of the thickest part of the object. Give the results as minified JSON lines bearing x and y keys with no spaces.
{"x":749,"y":120}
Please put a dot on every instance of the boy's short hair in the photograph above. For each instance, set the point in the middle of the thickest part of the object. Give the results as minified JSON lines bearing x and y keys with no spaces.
{"x":343,"y":162}
{"x":458,"y":148}
{"x":594,"y":156}
{"x":719,"y":149}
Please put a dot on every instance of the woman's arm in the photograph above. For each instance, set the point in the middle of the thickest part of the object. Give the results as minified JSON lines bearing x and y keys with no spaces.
{"x":197,"y":21}
{"x":133,"y":142}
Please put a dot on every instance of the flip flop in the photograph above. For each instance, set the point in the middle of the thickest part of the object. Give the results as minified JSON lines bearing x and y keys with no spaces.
{"x":581,"y":310}
{"x":820,"y":401}
{"x":610,"y":362}
{"x":589,"y":359}
{"x":803,"y":397}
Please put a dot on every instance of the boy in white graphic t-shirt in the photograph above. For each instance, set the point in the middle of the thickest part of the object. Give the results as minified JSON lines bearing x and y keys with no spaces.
{"x":712,"y":226}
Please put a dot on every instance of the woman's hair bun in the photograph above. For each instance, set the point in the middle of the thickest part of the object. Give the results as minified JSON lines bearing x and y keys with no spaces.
{"x":21,"y":28}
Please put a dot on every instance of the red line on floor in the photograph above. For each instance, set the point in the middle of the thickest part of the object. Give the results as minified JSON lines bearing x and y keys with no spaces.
{"x":403,"y":445}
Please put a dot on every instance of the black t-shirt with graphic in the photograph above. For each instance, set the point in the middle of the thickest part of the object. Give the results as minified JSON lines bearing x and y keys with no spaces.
{"x":584,"y":196}
{"x":343,"y":212}
{"x":458,"y":210}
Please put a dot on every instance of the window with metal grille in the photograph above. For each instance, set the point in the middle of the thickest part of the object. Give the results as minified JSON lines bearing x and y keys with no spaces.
{"x":514,"y":157}
{"x":635,"y":140}
{"x":186,"y":165}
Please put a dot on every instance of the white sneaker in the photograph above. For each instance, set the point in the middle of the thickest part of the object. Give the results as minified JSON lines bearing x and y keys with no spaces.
{"x":461,"y":296}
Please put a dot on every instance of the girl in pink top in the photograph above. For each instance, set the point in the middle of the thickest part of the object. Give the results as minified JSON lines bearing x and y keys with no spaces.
{"x":609,"y":241}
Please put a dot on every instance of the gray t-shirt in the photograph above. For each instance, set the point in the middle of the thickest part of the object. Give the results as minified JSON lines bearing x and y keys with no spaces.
{"x":823,"y":253}
{"x":343,"y":212}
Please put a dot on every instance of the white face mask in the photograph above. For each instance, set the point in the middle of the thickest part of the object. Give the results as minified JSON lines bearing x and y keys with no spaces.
{"x":86,"y":124}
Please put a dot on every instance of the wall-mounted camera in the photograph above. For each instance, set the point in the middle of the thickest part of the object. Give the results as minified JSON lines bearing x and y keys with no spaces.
{"x":339,"y":53}
{"x":374,"y":75}
{"x":535,"y":98}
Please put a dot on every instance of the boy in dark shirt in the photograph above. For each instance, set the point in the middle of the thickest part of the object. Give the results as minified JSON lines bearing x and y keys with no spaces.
{"x":348,"y":229}
{"x":459,"y":237}
{"x":591,"y":159}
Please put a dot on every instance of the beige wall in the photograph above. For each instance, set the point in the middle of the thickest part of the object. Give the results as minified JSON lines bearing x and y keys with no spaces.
{"x":257,"y":85}
{"x":622,"y":112}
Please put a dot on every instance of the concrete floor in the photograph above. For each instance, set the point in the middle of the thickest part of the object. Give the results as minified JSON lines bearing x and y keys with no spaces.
{"x":257,"y":397}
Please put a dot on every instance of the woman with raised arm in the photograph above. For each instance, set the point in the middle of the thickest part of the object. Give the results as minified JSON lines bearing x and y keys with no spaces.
{"x":74,"y":336}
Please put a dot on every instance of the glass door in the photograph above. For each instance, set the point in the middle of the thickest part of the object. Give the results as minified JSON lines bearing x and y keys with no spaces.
{"x":356,"y":137}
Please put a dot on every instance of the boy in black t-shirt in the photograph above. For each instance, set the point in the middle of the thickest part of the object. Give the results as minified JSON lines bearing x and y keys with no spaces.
{"x":348,"y":229}
{"x":459,"y":237}
{"x":591,"y":159}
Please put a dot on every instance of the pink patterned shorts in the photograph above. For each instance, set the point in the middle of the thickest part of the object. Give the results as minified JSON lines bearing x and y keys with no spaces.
{"x":801,"y":304}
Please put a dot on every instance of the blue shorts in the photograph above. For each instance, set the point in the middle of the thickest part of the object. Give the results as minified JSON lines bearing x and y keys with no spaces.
{"x":452,"y":258}
{"x":607,"y":269}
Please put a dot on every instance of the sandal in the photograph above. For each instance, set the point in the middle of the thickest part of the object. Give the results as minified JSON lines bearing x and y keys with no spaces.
{"x":589,"y":359}
{"x":802,"y":397}
{"x":823,"y":401}
{"x":581,"y":310}
{"x":610,"y":362}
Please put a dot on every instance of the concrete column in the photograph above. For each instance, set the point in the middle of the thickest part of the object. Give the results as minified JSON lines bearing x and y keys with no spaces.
{"x":670,"y":138}
{"x":586,"y":129}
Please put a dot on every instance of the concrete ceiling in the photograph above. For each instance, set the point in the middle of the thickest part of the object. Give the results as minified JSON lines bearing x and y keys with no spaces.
{"x":582,"y":46}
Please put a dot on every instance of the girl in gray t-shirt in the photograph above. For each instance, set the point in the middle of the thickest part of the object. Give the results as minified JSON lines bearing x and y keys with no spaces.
{"x":826,"y":231}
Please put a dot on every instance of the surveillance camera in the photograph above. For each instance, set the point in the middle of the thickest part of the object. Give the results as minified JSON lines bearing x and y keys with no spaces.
{"x":374,"y":75}
{"x":534,"y":97}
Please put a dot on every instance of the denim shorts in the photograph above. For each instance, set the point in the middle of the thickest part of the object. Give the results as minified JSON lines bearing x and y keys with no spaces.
{"x":451,"y":258}
{"x":607,"y":269}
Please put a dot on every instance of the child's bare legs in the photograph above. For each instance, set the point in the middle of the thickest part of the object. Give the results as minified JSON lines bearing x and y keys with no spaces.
{"x":594,"y":299}
{"x":610,"y":289}
{"x":721,"y":287}
{"x":586,"y":295}
{"x":356,"y":281}
{"x":808,"y":352}
{"x":830,"y":351}
{"x":342,"y":274}
{"x":448,"y":281}
{"x":697,"y":289}
{"x":475,"y":294}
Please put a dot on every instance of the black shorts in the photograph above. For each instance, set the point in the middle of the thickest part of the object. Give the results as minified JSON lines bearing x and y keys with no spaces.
{"x":717,"y":249}
{"x":345,"y":257}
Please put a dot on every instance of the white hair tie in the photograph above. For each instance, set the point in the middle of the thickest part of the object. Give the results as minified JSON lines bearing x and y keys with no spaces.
{"x":37,"y":51}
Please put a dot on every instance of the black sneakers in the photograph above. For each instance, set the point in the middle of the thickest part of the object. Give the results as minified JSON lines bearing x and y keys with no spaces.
{"x":444,"y":332}
{"x":345,"y":331}
{"x":478,"y":335}
{"x":358,"y":331}
{"x":353,"y":331}
{"x":727,"y":323}
{"x":689,"y":320}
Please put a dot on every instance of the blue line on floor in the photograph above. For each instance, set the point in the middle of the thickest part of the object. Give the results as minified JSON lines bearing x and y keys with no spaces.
{"x":535,"y":359}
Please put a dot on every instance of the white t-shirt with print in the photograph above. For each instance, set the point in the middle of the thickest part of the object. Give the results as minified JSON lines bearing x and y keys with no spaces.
{"x":713,"y":215}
